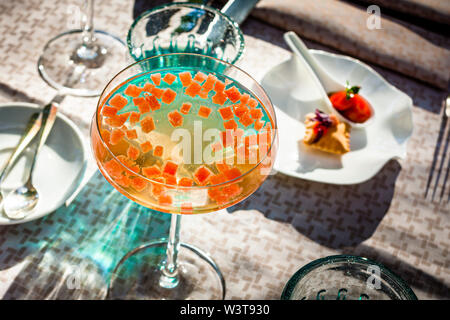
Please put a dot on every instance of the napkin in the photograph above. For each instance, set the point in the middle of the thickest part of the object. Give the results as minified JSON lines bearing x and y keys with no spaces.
{"x":416,"y":53}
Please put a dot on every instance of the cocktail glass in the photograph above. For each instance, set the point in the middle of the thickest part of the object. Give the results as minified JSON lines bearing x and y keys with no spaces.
{"x":179,"y":160}
{"x":78,"y":61}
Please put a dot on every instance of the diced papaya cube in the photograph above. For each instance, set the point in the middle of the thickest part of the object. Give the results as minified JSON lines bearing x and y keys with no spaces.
{"x":109,"y":111}
{"x":133,"y":152}
{"x":118,"y":101}
{"x":244,"y":98}
{"x":117,"y":120}
{"x":105,"y":134}
{"x":142,"y":104}
{"x":209,"y":83}
{"x":252,"y":103}
{"x":185,"y":182}
{"x":219,"y":86}
{"x":131,"y":134}
{"x":172,"y":180}
{"x":123,"y":181}
{"x":226,"y":113}
{"x":170,"y":168}
{"x":175,"y":118}
{"x":116,"y":136}
{"x":219,"y":98}
{"x":200,"y":76}
{"x":157,"y":92}
{"x":127,"y":162}
{"x":193,"y":89}
{"x":246,"y":120}
{"x":232,"y":190}
{"x":216,"y":146}
{"x":222,"y":167}
{"x":146,"y":146}
{"x":185,"y":107}
{"x":156,"y":78}
{"x":217,"y":179}
{"x":138,"y":183}
{"x":151,"y":172}
{"x":232,"y":173}
{"x":233,"y":94}
{"x":157,"y":188}
{"x":148,"y":87}
{"x":203,"y":94}
{"x":168,"y":96}
{"x":185,"y":78}
{"x":240,"y":110}
{"x":201,"y":175}
{"x":134,"y":117}
{"x":169,"y":78}
{"x":113,"y":168}
{"x":147,"y":124}
{"x":256,"y":113}
{"x":227,"y":138}
{"x":230,"y":125}
{"x":258,"y":125}
{"x":186,"y":208}
{"x":158,"y":151}
{"x":204,"y":111}
{"x":133,"y":91}
{"x":164,"y":200}
{"x":153,"y":102}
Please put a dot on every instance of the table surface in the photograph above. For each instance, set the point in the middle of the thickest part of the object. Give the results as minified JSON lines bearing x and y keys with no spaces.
{"x":258,"y":243}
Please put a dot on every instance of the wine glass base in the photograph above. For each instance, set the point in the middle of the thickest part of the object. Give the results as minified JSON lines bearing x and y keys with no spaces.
{"x":139,"y":275}
{"x":65,"y":55}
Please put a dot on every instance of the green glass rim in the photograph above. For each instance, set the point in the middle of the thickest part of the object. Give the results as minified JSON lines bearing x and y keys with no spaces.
{"x":187,"y":5}
{"x":303,"y":271}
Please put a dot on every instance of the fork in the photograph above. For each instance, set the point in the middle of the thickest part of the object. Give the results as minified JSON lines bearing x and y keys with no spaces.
{"x":444,"y":153}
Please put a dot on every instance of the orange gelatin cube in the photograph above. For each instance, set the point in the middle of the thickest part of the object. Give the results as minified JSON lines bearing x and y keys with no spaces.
{"x":156,"y":78}
{"x":142,"y":103}
{"x":219,"y":86}
{"x":133,"y":153}
{"x":258,"y":125}
{"x":169,"y":78}
{"x":185,"y":107}
{"x":252,"y":103}
{"x":244,"y":98}
{"x":175,"y":118}
{"x":232,"y":173}
{"x":158,"y":151}
{"x":164,"y":200}
{"x":147,"y":124}
{"x":170,"y":180}
{"x":157,"y":92}
{"x":193,"y":89}
{"x":157,"y":188}
{"x":117,"y":120}
{"x":123,"y":181}
{"x":116,"y":136}
{"x":246,"y":120}
{"x":240,"y":110}
{"x":233,"y":94}
{"x":256,"y":113}
{"x":168,"y":96}
{"x":217,"y":179}
{"x":203,"y":94}
{"x":219,"y":98}
{"x":201,"y":175}
{"x":131,"y":134}
{"x":185,"y":182}
{"x":118,"y":101}
{"x":146,"y":146}
{"x":170,"y":168}
{"x":227,"y":138}
{"x":222,"y":167}
{"x":138,"y":183}
{"x":153,"y":102}
{"x":133,"y":91}
{"x":114,"y":168}
{"x":226,"y":113}
{"x":151,"y":172}
{"x":230,"y":125}
{"x":204,"y":111}
{"x":185,"y":78}
{"x":209,"y":83}
{"x":148,"y":87}
{"x":216,"y":146}
{"x":109,"y":111}
{"x":232,"y":190}
{"x":200,"y":77}
{"x":134,"y":117}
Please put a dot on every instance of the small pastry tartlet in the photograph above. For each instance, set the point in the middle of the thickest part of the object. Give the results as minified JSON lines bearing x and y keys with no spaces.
{"x":325,"y":132}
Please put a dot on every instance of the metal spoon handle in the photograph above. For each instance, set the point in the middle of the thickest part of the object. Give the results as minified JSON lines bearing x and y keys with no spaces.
{"x":32,"y":128}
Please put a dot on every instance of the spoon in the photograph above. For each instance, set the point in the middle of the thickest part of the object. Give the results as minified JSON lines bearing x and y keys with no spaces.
{"x":20,"y":202}
{"x":324,"y":81}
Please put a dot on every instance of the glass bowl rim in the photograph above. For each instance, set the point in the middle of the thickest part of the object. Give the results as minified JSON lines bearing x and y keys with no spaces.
{"x":187,"y":5}
{"x":336,"y":259}
{"x":274,"y":120}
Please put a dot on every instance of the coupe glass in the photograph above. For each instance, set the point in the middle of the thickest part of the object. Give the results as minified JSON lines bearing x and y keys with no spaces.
{"x":78,"y":61}
{"x":169,"y":269}
{"x":185,"y":28}
{"x":345,"y":277}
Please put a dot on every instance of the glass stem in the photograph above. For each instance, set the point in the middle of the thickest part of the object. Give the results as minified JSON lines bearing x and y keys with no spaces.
{"x":170,"y":267}
{"x":88,"y":23}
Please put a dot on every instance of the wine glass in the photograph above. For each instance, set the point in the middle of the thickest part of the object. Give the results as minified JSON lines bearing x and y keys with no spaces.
{"x":92,"y":55}
{"x":146,"y":141}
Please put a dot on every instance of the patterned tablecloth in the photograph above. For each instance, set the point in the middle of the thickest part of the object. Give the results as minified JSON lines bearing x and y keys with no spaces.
{"x":259,"y":243}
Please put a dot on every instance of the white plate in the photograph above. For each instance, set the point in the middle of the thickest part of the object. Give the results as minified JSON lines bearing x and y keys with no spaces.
{"x":60,"y":164}
{"x":294,"y":95}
